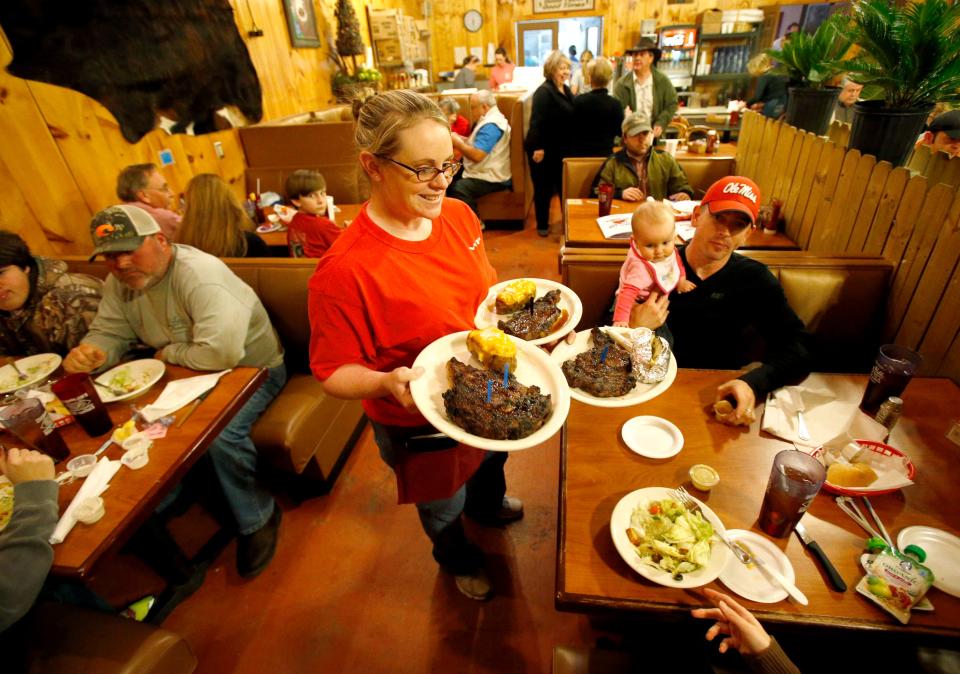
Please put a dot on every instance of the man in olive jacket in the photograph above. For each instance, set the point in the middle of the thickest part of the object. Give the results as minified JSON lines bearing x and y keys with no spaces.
{"x":639,"y":171}
{"x":646,"y":90}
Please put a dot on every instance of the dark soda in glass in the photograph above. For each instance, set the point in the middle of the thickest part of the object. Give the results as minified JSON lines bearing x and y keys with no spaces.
{"x":892,"y":371}
{"x":794,"y":481}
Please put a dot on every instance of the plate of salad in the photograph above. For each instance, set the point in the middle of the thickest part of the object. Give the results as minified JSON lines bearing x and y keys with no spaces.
{"x":35,"y":368}
{"x":666,"y":543}
{"x":128,"y":380}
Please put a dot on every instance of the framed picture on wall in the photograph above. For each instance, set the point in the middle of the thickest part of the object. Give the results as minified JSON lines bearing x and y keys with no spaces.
{"x":302,"y":23}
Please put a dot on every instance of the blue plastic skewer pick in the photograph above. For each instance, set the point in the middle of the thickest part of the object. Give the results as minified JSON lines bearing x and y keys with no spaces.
{"x":506,"y":375}
{"x":489,"y":391}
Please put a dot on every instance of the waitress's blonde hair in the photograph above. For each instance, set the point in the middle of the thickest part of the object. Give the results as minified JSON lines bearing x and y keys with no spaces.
{"x":382,"y":117}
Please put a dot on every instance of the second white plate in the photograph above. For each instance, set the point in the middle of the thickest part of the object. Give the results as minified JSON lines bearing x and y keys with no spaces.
{"x":134,"y":378}
{"x":534,"y":367}
{"x":943,"y":555}
{"x":750,"y":582}
{"x":487,"y":317}
{"x":652,"y":437}
{"x":37,"y":368}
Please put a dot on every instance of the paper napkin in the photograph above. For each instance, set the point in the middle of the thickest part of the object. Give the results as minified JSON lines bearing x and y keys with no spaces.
{"x":93,"y":485}
{"x":178,"y":393}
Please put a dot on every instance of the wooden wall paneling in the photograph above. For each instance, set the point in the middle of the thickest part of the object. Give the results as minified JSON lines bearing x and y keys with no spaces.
{"x":859,"y":191}
{"x":766,"y":168}
{"x":824,"y":180}
{"x":920,"y":237}
{"x":950,"y":366}
{"x":751,"y":131}
{"x":784,"y":164}
{"x":931,"y":309}
{"x":800,"y":188}
{"x":834,"y":206}
{"x":791,"y":173}
{"x":16,"y":216}
{"x":880,"y":225}
{"x":905,"y":221}
{"x":868,"y":207}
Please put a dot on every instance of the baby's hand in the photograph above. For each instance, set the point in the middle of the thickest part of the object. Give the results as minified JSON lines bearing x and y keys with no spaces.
{"x":621,"y":324}
{"x":685,"y":286}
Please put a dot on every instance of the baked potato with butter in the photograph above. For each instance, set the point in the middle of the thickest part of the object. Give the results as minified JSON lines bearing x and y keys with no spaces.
{"x":493,"y":349}
{"x":516,"y":296}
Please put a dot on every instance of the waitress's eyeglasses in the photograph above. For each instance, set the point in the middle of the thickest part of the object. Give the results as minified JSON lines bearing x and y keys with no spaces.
{"x":429,"y":173}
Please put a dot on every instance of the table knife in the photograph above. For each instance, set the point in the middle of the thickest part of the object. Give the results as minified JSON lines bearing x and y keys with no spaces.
{"x":815,"y":548}
{"x":193,"y":406}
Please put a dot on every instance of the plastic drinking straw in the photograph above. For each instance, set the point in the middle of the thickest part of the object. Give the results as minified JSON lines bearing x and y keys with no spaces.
{"x":489,"y":391}
{"x":506,"y":375}
{"x":603,"y":354}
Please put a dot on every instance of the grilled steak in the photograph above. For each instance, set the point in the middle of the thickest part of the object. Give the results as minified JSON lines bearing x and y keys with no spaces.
{"x":538,"y":322}
{"x":613,"y":377}
{"x":512,"y":413}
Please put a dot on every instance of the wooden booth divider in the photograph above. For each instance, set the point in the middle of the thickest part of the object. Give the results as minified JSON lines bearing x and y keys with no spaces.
{"x":837,"y":202}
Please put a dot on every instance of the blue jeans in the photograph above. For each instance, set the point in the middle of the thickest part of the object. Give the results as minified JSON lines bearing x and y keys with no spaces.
{"x":440,"y":519}
{"x":234,"y":458}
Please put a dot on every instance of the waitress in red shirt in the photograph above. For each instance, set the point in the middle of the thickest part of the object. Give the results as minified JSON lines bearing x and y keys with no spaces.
{"x":410,"y":269}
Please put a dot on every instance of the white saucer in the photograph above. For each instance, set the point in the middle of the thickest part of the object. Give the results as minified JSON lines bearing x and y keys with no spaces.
{"x":943,"y":555}
{"x":652,"y":437}
{"x":750,"y":582}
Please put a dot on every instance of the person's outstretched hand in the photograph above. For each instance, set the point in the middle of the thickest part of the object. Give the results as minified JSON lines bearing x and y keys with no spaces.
{"x":746,"y":634}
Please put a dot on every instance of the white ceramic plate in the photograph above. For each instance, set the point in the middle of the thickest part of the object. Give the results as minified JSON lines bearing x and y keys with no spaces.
{"x":487,"y":317}
{"x":640,"y":393}
{"x":751,"y":583}
{"x":37,"y":368}
{"x":534,"y":367}
{"x":652,"y":437}
{"x":943,"y":555}
{"x":135,"y":377}
{"x":620,"y":522}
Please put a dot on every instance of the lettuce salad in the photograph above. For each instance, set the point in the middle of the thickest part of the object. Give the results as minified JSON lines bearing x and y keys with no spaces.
{"x":669,"y":537}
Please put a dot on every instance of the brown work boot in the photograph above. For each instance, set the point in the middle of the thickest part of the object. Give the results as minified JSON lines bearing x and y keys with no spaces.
{"x":476,"y":586}
{"x":254,"y":551}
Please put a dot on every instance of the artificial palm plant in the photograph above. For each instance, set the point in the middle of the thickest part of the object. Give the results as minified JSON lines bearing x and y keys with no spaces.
{"x":811,"y":61}
{"x":911,"y":54}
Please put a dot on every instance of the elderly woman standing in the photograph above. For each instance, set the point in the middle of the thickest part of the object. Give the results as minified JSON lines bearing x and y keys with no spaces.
{"x":548,"y":140}
{"x":597,"y":115}
{"x":411,"y":268}
{"x":42,"y":307}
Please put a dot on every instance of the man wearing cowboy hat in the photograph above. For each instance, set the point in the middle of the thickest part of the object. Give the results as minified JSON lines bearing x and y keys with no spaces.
{"x":646,"y":90}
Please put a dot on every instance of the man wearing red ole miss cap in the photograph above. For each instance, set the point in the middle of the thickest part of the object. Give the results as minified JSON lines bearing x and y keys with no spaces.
{"x":736,"y":300}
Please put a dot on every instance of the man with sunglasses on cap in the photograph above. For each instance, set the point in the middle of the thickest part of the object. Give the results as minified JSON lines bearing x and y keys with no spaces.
{"x":736,"y":306}
{"x":196,"y":313}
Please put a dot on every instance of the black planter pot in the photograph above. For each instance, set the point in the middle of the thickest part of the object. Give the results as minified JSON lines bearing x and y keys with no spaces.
{"x":811,"y":109}
{"x":889,"y":135}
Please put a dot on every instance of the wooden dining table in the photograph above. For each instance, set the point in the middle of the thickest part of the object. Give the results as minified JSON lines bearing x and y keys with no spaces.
{"x":344,"y":215}
{"x":582,"y":231}
{"x":134,"y":494}
{"x":598,"y":469}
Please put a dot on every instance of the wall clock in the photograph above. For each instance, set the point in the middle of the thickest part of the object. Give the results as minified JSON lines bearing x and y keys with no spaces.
{"x":472,"y":20}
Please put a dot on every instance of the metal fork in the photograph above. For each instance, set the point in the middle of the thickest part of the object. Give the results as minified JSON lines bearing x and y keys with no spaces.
{"x":21,"y":375}
{"x":111,"y":389}
{"x":740,"y":553}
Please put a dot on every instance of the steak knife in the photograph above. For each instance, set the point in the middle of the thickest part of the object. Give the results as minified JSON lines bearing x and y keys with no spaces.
{"x":815,"y":548}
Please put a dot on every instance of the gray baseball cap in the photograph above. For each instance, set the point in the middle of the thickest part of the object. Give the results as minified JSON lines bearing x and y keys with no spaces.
{"x":120,"y":229}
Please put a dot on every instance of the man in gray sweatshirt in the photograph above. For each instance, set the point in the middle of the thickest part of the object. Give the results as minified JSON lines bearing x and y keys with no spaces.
{"x":196,"y":313}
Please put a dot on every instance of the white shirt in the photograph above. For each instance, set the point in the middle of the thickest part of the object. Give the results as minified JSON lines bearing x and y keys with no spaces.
{"x":644,"y":94}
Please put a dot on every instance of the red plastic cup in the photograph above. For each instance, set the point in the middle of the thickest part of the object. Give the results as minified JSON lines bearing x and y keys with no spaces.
{"x":28,"y":420}
{"x":892,"y":371}
{"x":79,"y":395}
{"x":605,"y":194}
{"x":795,"y":480}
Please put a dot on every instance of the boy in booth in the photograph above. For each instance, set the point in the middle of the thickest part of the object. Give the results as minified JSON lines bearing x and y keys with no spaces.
{"x":310,"y":233}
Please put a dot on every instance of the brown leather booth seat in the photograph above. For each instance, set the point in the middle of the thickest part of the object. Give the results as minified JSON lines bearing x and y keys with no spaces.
{"x":840,"y":299}
{"x":579,"y":172}
{"x":314,"y":140}
{"x":304,"y":430}
{"x":509,"y":204}
{"x":64,"y":639}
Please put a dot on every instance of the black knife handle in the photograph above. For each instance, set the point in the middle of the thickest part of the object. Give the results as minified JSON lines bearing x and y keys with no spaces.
{"x":832,"y":573}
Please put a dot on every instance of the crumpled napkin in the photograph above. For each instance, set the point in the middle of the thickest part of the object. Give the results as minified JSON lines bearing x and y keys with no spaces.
{"x":93,"y":485}
{"x":825,"y":416}
{"x":178,"y":393}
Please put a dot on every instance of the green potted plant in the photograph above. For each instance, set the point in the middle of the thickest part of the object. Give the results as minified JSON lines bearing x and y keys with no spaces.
{"x":911,"y":55}
{"x":810,"y":61}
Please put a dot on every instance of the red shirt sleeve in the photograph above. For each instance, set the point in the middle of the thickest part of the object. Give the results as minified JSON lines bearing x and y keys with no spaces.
{"x":461,"y":126}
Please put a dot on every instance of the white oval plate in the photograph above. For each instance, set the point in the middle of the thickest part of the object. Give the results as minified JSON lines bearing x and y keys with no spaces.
{"x":943,"y":554}
{"x":652,"y":437}
{"x":751,"y":583}
{"x":37,"y":368}
{"x":640,"y":393}
{"x":487,"y":317}
{"x":143,"y":374}
{"x":534,"y":367}
{"x":620,"y":522}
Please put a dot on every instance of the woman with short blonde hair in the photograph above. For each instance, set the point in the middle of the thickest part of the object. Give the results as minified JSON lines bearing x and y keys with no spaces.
{"x":548,"y":140}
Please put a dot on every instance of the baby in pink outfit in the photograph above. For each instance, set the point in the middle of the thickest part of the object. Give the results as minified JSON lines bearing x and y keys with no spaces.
{"x":653,"y":264}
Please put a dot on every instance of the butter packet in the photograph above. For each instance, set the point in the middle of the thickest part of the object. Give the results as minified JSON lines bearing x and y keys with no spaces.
{"x":897,"y":581}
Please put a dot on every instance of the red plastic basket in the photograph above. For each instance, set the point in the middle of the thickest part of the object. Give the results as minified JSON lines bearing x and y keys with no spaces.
{"x":879,"y":448}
